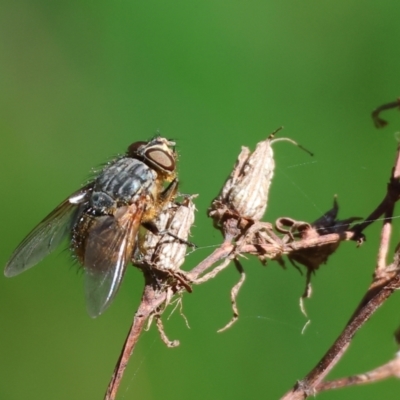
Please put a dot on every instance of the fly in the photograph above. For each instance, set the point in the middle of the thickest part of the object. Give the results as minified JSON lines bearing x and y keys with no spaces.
{"x":103,"y":218}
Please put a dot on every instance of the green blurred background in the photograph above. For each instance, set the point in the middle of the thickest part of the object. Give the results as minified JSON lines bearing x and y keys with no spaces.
{"x":81,"y":80}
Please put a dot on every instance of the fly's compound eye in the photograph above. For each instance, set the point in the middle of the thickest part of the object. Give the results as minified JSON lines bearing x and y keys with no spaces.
{"x":158,"y":154}
{"x":161,"y":158}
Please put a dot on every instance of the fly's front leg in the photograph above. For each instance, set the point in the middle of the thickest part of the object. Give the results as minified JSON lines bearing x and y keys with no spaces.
{"x":169,"y":193}
{"x":167,"y":196}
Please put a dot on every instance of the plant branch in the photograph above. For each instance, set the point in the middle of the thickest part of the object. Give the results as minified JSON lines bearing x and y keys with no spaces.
{"x":308,"y":385}
{"x":151,"y":300}
{"x":378,"y":121}
{"x":390,"y":369}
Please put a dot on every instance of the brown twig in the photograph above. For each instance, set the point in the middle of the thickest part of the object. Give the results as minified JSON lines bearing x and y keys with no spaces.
{"x":150,"y":303}
{"x":308,"y":385}
{"x":383,"y":272}
{"x":390,"y":369}
{"x":392,"y":195}
{"x":220,"y":253}
{"x":151,"y":300}
{"x":286,"y":249}
{"x":378,"y":121}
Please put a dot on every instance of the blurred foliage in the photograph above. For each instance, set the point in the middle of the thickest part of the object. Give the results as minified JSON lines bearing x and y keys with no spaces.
{"x":82,"y":80}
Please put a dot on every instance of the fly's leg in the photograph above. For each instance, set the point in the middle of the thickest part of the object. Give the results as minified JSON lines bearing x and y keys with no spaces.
{"x":168,"y":194}
{"x":152,"y":227}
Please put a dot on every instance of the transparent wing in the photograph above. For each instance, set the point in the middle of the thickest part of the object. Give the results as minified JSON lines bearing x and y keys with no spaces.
{"x":108,"y":250}
{"x":47,"y":235}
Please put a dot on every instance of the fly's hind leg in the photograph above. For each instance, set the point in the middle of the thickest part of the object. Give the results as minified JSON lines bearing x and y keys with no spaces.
{"x":152,"y":227}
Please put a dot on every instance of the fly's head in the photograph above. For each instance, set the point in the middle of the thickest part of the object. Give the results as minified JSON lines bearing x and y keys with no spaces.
{"x":159,"y":154}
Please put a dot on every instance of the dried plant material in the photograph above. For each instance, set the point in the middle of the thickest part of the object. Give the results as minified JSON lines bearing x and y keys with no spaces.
{"x":179,"y":304}
{"x":395,"y":265}
{"x":397,"y":336}
{"x":306,"y":294}
{"x":245,"y":193}
{"x":246,"y":190}
{"x":268,"y":246}
{"x":162,"y":254}
{"x":378,"y":121}
{"x":329,"y":224}
{"x":213,"y":273}
{"x":303,"y":330}
{"x":313,"y":257}
{"x":387,"y":370}
{"x":164,"y":337}
{"x":234,"y":294}
{"x":309,"y":244}
{"x":166,"y":250}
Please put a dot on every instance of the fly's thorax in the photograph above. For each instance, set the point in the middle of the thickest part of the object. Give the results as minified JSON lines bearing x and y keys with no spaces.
{"x":122,"y":182}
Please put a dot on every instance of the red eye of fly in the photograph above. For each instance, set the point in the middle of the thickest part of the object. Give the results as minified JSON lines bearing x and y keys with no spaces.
{"x":134,"y":147}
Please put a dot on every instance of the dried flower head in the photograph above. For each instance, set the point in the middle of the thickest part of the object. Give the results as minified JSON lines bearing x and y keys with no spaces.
{"x":245,"y":193}
{"x":313,"y":257}
{"x":167,"y":249}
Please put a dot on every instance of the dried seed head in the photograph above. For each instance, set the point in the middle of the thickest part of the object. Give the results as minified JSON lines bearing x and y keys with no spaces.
{"x":245,"y":193}
{"x":166,"y":251}
{"x":246,"y":190}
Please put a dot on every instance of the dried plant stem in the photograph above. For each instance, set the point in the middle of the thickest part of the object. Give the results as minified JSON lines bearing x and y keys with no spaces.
{"x":392,"y":195}
{"x":308,"y":386}
{"x":220,"y":253}
{"x":234,"y":294}
{"x":151,"y":300}
{"x":378,"y":121}
{"x":390,"y":369}
{"x":385,"y":242}
{"x":285,"y":249}
{"x":163,"y":335}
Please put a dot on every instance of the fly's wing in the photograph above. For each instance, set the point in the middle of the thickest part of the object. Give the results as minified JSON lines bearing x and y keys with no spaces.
{"x":46,"y":236}
{"x":108,"y":249}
